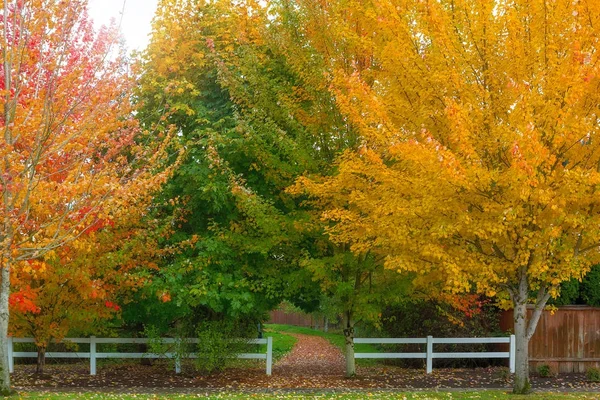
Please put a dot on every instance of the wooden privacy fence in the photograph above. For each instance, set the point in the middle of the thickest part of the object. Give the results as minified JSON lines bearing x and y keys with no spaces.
{"x":429,"y":354}
{"x":566,"y":339}
{"x":293,"y":318}
{"x":93,"y":354}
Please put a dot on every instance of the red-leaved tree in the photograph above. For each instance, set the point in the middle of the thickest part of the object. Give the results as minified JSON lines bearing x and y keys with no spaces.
{"x":71,"y":152}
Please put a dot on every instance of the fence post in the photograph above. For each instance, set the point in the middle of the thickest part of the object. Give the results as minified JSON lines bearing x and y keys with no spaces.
{"x":92,"y":355}
{"x":429,"y":354}
{"x":511,"y":354}
{"x":11,"y":359}
{"x":269,"y":355}
{"x":177,"y":351}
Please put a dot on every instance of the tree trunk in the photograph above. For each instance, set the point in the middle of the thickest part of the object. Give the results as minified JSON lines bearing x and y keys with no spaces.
{"x":349,"y":341}
{"x":521,"y":383}
{"x":4,"y":314}
{"x":326,"y":325}
{"x":41,"y":360}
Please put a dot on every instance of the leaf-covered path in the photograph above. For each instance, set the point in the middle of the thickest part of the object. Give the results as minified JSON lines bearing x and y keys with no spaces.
{"x":312,"y":355}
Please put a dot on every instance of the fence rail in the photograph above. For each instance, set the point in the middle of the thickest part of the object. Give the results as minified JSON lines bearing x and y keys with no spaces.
{"x":429,"y":354}
{"x":93,"y":354}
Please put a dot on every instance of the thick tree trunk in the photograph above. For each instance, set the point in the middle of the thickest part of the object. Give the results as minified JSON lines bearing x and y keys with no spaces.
{"x":4,"y":314}
{"x":349,"y":341}
{"x":41,"y":360}
{"x":521,"y":383}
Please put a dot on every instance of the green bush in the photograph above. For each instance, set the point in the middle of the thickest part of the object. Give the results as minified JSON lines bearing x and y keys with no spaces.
{"x":585,"y":292}
{"x":544,"y":371}
{"x":593,"y":374}
{"x":419,"y":319}
{"x":219,"y":344}
{"x":590,"y":287}
{"x":569,"y":294}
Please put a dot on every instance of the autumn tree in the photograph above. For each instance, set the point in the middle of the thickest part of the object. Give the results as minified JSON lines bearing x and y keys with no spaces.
{"x":479,"y":165}
{"x":71,"y":152}
{"x":83,"y":284}
{"x":250,"y":95}
{"x":227,"y":193}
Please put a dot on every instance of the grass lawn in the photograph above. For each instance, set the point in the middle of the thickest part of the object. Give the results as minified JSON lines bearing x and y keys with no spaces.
{"x":282,"y":344}
{"x":336,"y":339}
{"x":481,"y":395}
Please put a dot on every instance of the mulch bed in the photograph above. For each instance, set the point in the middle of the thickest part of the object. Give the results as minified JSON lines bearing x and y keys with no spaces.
{"x":312,"y":364}
{"x":142,"y":378}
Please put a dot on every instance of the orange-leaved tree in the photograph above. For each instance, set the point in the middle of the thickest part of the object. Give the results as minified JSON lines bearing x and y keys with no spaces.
{"x":83,"y":282}
{"x":70,"y":152}
{"x":480,"y":164}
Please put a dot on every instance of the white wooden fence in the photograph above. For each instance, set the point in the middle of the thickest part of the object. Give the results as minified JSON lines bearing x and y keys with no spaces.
{"x":429,"y":354}
{"x":93,"y":354}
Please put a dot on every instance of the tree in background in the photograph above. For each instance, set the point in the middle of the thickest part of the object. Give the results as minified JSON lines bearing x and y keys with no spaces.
{"x":251,"y":98}
{"x":585,"y":291}
{"x":71,"y":153}
{"x":479,"y":159}
{"x":243,"y":151}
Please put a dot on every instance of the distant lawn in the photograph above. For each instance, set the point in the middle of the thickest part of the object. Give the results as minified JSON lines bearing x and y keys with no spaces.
{"x":336,"y":339}
{"x":481,"y":395}
{"x":282,"y":344}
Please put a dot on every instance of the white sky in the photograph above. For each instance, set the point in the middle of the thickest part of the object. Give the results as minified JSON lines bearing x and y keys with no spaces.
{"x":135,"y":25}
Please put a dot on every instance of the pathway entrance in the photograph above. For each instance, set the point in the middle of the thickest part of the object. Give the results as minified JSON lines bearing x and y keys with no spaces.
{"x":312,"y":355}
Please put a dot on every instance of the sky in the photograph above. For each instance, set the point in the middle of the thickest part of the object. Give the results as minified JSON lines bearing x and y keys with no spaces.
{"x":135,"y":25}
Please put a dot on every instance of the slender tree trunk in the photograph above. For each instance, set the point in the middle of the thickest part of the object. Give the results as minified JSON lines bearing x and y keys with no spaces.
{"x":6,"y":238}
{"x":41,"y":360}
{"x":4,"y":314}
{"x":326,"y":325}
{"x":525,"y":328}
{"x":349,"y":341}
{"x":521,"y":383}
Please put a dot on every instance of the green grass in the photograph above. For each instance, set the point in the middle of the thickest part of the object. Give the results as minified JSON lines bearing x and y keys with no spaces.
{"x":282,"y":344}
{"x":336,"y":339}
{"x":481,"y":395}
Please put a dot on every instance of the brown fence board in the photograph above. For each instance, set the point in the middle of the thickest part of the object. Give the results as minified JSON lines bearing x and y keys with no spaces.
{"x":297,"y":319}
{"x":568,"y":340}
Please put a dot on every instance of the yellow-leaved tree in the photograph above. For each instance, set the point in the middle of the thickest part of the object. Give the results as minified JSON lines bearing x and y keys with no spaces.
{"x":480,"y":165}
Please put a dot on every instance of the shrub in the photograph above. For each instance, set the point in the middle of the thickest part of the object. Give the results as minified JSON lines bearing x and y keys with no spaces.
{"x":569,"y":293}
{"x":157,"y":345}
{"x":423,"y":318}
{"x":544,"y":371}
{"x":219,"y":344}
{"x":585,"y":292}
{"x":590,"y":287}
{"x":593,"y":374}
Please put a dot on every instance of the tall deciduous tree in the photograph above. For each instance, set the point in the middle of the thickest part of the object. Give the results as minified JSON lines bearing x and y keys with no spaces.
{"x":480,"y":162}
{"x":237,"y":163}
{"x":70,"y":150}
{"x":250,"y":94}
